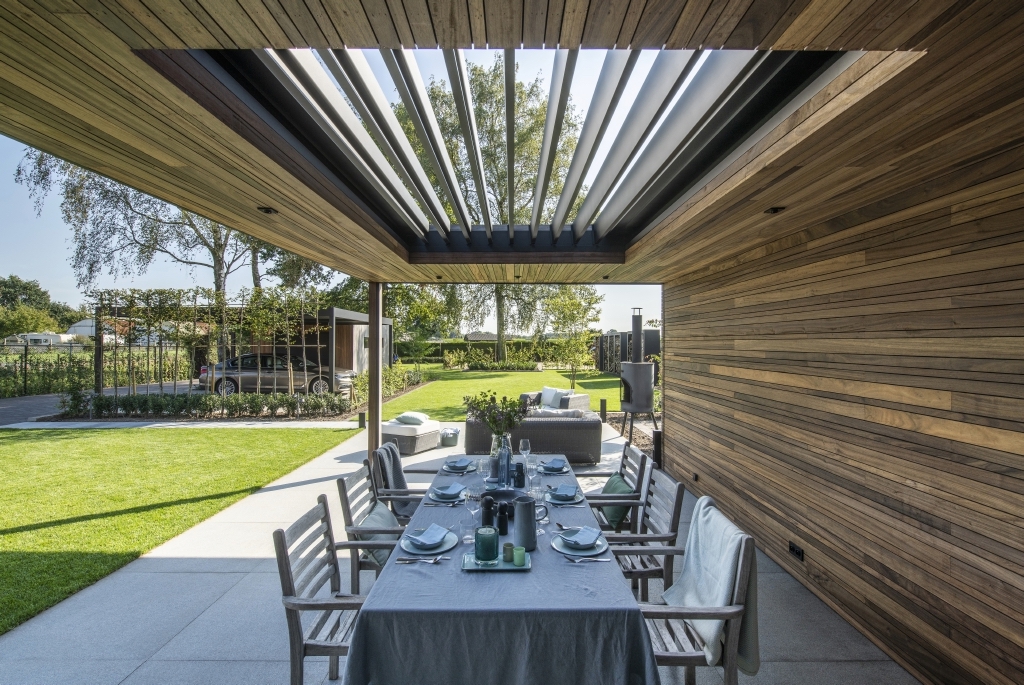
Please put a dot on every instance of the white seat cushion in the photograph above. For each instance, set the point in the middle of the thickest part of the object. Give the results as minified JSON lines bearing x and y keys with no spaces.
{"x":396,"y":428}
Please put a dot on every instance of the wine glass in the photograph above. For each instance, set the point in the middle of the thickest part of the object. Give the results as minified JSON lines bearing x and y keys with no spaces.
{"x":474,"y":493}
{"x":524,"y":448}
{"x":537,"y":493}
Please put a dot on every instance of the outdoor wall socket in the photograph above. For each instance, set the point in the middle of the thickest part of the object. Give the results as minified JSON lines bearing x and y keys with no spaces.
{"x":797,"y":552}
{"x":695,"y":478}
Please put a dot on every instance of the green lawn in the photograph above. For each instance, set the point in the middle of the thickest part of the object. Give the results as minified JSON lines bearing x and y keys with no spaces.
{"x":76,"y":505}
{"x":442,"y":399}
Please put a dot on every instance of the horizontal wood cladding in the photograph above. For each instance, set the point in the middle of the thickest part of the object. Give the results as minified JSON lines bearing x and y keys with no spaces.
{"x":740,"y":24}
{"x":862,"y":395}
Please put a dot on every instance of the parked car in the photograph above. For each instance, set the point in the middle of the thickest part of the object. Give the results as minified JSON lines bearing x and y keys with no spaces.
{"x":270,"y":373}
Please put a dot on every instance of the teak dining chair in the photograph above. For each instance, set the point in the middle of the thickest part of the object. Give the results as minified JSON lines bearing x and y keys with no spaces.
{"x":357,"y":501}
{"x":657,"y":516}
{"x":384,"y":490}
{"x":635,"y":471}
{"x":673,"y":638}
{"x":306,"y":561}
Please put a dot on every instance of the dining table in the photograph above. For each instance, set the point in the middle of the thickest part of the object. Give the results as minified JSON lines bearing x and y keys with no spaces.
{"x":558,"y":623}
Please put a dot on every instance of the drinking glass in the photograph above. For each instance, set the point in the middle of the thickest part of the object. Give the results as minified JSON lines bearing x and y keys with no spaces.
{"x":524,"y":448}
{"x":531,"y":466}
{"x":467,"y":530}
{"x":537,"y":493}
{"x":473,"y":495}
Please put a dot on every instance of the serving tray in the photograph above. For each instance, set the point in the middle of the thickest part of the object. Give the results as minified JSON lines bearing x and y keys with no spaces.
{"x":469,"y":564}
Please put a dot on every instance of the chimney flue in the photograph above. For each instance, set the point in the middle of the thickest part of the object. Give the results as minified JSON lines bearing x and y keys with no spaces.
{"x":638,"y":337}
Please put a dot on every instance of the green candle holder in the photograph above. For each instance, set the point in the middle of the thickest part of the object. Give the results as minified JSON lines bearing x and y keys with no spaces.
{"x":486,"y":546}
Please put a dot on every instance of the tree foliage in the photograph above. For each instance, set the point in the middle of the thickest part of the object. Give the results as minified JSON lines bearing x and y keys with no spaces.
{"x":571,"y":310}
{"x":16,"y":292}
{"x":121,"y":231}
{"x":25,"y":319}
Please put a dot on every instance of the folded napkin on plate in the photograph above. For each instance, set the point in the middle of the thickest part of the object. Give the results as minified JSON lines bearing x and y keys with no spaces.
{"x":564,"y":492}
{"x":450,"y":491}
{"x":431,"y":537}
{"x":584,"y":537}
{"x":556,"y":464}
{"x":458,"y":464}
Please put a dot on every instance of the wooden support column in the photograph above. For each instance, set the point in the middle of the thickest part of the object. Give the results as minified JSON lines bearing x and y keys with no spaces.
{"x":373,"y":437}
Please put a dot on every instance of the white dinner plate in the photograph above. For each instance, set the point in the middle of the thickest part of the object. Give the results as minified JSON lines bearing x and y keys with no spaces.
{"x":450,"y":540}
{"x":576,"y":500}
{"x":559,"y":544}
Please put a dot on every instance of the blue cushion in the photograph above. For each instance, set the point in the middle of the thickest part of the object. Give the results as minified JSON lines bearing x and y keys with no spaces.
{"x":379,"y":517}
{"x":616,"y":485}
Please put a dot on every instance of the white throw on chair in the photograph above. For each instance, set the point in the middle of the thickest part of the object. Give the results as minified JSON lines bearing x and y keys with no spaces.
{"x":711,"y":617}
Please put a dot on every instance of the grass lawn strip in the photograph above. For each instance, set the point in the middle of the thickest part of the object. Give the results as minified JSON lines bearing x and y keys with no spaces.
{"x":75,"y":505}
{"x":442,"y":399}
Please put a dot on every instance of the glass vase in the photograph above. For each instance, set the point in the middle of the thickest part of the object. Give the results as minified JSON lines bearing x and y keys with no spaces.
{"x":501,"y":459}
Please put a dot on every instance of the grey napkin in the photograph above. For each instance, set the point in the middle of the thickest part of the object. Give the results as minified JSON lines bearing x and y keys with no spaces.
{"x":449,"y":491}
{"x":564,"y":492}
{"x":431,"y":537}
{"x":458,"y":464}
{"x":584,"y":537}
{"x":556,"y":464}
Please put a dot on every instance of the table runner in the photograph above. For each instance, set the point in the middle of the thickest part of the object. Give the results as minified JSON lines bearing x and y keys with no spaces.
{"x":559,"y":623}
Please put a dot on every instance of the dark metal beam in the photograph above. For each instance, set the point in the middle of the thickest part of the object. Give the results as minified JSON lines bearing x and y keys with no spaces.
{"x":406,"y":75}
{"x":618,"y":65}
{"x":561,"y":81}
{"x":459,"y":79}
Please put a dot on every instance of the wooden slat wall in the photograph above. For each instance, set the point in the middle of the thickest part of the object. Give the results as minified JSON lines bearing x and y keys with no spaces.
{"x":862,"y":395}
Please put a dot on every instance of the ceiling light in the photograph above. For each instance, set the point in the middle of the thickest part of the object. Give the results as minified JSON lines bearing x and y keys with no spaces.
{"x":773,"y":210}
{"x":267,"y":210}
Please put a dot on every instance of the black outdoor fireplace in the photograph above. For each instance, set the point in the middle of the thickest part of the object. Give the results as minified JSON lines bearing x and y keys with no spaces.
{"x":636,"y":381}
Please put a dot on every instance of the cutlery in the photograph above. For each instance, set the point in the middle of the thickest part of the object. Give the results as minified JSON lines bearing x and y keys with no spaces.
{"x":441,"y":504}
{"x":582,"y":560}
{"x":568,"y":506}
{"x":420,"y":560}
{"x":561,"y":527}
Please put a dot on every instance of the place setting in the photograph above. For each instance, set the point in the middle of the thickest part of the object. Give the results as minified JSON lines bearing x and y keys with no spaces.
{"x":580,"y":544}
{"x":566,"y":495}
{"x":459,"y":467}
{"x":449,"y":495}
{"x":430,"y":542}
{"x":556,"y":466}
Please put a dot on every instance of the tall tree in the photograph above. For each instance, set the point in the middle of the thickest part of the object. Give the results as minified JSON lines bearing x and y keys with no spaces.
{"x":121,"y":231}
{"x":571,"y":310}
{"x":514,"y":306}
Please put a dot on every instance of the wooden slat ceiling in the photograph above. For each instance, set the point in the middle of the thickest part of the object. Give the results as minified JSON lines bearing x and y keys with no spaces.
{"x":71,"y":84}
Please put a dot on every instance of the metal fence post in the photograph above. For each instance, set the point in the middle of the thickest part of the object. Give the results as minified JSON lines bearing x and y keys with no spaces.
{"x":658,"y":454}
{"x":604,"y":410}
{"x":97,"y":350}
{"x":24,"y":372}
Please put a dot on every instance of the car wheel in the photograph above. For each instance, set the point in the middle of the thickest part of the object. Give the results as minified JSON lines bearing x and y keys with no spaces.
{"x":226,"y":387}
{"x":319,"y":386}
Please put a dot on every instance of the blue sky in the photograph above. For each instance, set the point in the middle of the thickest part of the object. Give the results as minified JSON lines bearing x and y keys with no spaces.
{"x":39,"y":247}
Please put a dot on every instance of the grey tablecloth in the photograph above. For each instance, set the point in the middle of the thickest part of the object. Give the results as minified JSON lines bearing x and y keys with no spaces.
{"x":559,"y":623}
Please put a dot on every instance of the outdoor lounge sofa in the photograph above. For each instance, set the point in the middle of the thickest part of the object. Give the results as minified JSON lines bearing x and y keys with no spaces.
{"x":579,"y":439}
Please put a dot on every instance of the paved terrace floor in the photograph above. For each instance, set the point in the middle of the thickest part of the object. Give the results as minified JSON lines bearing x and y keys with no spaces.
{"x":205,"y":607}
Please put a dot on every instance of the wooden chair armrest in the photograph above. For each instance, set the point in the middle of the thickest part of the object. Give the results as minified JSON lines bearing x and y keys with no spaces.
{"x":600,"y":497}
{"x":343,"y":603}
{"x":633,"y":503}
{"x":370,"y":530}
{"x":595,"y":474}
{"x":636,"y":538}
{"x":711,"y":613}
{"x":402,"y":490}
{"x":366,"y":544}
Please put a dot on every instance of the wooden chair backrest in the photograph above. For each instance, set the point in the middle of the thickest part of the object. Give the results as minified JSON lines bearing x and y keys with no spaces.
{"x":663,"y":503}
{"x":377,"y":472}
{"x":357,"y":496}
{"x":306,"y":559}
{"x":632,"y":467}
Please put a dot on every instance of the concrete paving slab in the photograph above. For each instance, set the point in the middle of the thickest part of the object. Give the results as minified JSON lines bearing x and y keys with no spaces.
{"x":60,"y":671}
{"x":124,"y":616}
{"x":244,"y":672}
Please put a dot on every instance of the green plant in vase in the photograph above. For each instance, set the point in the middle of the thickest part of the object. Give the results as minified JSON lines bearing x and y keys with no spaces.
{"x":501,"y":417}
